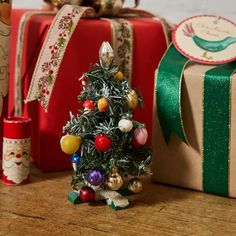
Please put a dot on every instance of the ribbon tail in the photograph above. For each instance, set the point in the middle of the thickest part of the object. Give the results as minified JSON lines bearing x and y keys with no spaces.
{"x":18,"y":100}
{"x":168,"y":93}
{"x":52,"y":52}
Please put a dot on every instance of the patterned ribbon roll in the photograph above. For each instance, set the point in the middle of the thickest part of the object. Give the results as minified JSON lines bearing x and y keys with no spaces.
{"x":216,"y":115}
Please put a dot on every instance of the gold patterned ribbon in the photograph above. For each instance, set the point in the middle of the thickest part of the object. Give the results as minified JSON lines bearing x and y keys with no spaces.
{"x":122,"y":41}
{"x":53,"y":50}
{"x":19,"y":56}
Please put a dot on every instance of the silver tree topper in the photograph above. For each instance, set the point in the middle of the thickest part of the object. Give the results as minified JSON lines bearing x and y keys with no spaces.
{"x":106,"y":55}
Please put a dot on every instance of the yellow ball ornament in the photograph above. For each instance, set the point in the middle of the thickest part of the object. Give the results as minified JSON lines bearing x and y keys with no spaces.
{"x":70,"y":143}
{"x":114,"y":180}
{"x":132,"y":99}
{"x":135,"y":185}
{"x":119,"y":76}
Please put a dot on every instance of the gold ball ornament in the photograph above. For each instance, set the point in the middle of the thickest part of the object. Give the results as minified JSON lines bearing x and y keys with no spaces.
{"x":132,"y":99}
{"x":119,"y":76}
{"x":135,"y":185}
{"x":102,"y":104}
{"x":114,"y":180}
{"x":70,"y":143}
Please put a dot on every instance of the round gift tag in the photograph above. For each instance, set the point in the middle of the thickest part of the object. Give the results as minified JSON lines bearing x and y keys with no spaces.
{"x":206,"y":39}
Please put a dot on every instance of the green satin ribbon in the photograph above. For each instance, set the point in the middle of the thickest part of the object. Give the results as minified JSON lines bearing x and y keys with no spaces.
{"x":216,"y":115}
{"x":216,"y":128}
{"x":168,"y":93}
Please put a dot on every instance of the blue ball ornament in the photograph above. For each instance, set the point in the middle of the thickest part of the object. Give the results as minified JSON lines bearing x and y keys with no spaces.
{"x":95,"y":177}
{"x":75,"y":158}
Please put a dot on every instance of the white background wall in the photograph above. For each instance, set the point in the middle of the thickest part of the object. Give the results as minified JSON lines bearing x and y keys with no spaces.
{"x":174,"y":10}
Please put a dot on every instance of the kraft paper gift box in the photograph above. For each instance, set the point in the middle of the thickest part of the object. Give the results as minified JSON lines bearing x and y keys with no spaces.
{"x":181,"y":164}
{"x":149,"y":44}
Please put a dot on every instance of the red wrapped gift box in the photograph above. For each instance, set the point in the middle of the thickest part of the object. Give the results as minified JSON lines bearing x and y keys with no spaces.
{"x":149,"y":45}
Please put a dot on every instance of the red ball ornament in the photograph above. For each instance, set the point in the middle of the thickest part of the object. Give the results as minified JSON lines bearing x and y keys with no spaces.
{"x":103,"y":143}
{"x":88,"y":104}
{"x":87,"y":194}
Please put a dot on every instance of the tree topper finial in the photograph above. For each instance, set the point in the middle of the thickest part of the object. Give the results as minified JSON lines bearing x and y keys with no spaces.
{"x":106,"y":55}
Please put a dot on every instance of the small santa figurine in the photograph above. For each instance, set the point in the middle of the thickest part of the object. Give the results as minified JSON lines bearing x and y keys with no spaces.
{"x":16,"y":161}
{"x":16,"y":151}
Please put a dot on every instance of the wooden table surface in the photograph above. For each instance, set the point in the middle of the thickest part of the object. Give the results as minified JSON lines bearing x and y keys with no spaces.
{"x":41,"y":208}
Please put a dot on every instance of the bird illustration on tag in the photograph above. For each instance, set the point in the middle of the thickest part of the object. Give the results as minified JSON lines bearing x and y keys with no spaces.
{"x":208,"y":46}
{"x":206,"y":39}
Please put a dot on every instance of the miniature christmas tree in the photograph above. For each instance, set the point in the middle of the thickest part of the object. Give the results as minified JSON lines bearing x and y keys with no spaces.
{"x":107,"y":146}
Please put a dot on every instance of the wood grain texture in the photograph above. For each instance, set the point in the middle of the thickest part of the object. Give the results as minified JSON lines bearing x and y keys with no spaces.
{"x":41,"y":208}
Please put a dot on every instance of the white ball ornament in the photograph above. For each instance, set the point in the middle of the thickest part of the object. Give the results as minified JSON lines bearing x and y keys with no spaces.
{"x":125,"y":125}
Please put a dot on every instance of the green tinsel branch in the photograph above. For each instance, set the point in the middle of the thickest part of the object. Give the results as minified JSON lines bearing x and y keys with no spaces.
{"x":130,"y":160}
